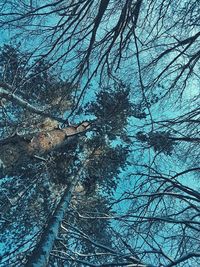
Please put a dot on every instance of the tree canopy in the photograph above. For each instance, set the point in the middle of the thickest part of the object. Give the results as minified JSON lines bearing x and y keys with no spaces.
{"x":99,"y":133}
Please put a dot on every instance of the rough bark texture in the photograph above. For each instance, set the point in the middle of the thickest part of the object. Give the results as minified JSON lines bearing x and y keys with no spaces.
{"x":18,"y":147}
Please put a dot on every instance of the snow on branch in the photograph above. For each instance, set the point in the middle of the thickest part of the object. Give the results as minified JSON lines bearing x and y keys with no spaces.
{"x":6,"y":92}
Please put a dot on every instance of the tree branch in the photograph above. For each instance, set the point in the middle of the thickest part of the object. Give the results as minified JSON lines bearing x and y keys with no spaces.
{"x":6,"y":92}
{"x":184,"y":258}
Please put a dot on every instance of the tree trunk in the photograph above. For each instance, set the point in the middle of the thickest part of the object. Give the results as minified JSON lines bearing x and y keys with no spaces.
{"x":17,"y":148}
{"x":185,"y":139}
{"x":41,"y":253}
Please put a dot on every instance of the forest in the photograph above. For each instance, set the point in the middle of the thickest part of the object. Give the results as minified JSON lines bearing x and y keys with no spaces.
{"x":99,"y":133}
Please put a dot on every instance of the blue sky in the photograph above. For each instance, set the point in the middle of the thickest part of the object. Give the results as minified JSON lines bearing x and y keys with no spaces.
{"x":167,"y":108}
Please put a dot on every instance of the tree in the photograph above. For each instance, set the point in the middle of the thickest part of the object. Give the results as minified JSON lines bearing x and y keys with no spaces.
{"x":163,"y":141}
{"x":44,"y":151}
{"x":121,"y":67}
{"x":160,"y":204}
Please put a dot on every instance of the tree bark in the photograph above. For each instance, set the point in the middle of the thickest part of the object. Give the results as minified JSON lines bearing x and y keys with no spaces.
{"x":16,"y":148}
{"x":6,"y":92}
{"x":41,"y":253}
{"x":185,"y":139}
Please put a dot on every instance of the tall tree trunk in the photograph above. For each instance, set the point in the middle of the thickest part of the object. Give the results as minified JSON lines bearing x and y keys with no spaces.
{"x":41,"y":253}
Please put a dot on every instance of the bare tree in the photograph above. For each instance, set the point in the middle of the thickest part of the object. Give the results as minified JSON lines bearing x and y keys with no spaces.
{"x":87,"y":58}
